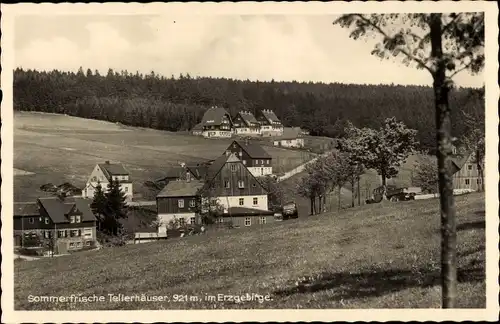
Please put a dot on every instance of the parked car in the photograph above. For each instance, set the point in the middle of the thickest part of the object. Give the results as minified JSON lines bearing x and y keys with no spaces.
{"x":394,"y":194}
{"x":289,"y":210}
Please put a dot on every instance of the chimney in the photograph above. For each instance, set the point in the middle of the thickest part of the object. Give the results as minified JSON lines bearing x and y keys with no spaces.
{"x":107,"y":162}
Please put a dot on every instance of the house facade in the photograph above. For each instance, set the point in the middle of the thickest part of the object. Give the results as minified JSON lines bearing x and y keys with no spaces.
{"x":102,"y":174}
{"x":253,"y":156}
{"x":68,"y":222}
{"x":177,"y":204}
{"x":245,"y":123}
{"x":245,"y":217}
{"x":217,"y":123}
{"x":233,"y":185}
{"x":466,"y":175}
{"x":291,"y":138}
{"x":270,"y":125}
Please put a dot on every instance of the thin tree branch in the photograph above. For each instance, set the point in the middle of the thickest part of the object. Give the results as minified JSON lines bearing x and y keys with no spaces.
{"x":405,"y":52}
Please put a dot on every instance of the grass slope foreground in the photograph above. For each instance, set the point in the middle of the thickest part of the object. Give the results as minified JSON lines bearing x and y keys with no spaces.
{"x":375,"y":256}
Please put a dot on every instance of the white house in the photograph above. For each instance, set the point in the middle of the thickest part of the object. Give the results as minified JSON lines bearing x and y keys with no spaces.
{"x":217,"y":123}
{"x":270,"y":125}
{"x":102,"y":174}
{"x":291,"y":138}
{"x":245,"y":123}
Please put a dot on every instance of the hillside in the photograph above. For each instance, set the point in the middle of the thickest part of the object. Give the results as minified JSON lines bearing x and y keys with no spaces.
{"x":52,"y":148}
{"x":377,"y":256}
{"x":178,"y":103}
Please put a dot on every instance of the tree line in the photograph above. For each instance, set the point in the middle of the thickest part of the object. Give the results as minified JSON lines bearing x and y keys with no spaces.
{"x":178,"y":103}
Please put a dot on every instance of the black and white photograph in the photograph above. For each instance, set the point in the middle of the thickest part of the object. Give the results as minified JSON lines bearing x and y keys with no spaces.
{"x":249,"y":161}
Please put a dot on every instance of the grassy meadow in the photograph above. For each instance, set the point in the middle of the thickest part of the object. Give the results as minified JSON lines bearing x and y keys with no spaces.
{"x":58,"y":148}
{"x":378,"y":256}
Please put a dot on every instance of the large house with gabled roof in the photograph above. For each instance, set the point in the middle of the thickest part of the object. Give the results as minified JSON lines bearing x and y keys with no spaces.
{"x":217,"y":123}
{"x":66,"y":221}
{"x":245,"y":123}
{"x":253,"y":156}
{"x":466,"y":175}
{"x":102,"y":174}
{"x":270,"y":125}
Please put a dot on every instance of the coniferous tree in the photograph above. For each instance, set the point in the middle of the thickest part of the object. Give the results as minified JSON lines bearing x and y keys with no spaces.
{"x":116,"y":207}
{"x":99,"y":206}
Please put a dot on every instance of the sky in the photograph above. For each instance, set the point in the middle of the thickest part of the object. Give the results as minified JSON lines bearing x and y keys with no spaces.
{"x":279,"y":47}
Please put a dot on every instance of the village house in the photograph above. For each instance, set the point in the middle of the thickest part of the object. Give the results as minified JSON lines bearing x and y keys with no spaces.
{"x":291,"y":138}
{"x":466,"y":175}
{"x":217,"y":123}
{"x":177,"y":204}
{"x":253,"y":156}
{"x":270,"y":125}
{"x":197,"y":129}
{"x":69,"y":222}
{"x":180,"y":172}
{"x":245,"y":123}
{"x":102,"y":174}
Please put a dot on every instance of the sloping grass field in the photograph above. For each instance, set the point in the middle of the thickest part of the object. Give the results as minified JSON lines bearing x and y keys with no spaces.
{"x":374,"y":256}
{"x":58,"y":148}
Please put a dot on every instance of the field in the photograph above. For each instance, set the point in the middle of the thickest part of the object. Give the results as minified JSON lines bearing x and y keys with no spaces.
{"x":51,"y":148}
{"x":378,"y":256}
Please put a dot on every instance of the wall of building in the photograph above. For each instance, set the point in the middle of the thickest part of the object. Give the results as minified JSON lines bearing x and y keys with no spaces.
{"x":164,"y":219}
{"x":243,"y":221}
{"x":248,"y":201}
{"x":260,"y":171}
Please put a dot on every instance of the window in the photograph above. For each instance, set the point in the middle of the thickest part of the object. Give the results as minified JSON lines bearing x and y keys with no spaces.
{"x":73,"y":233}
{"x":261,"y":161}
{"x":255,"y":200}
{"x":267,"y":161}
{"x":192,"y":220}
{"x":87,"y":232}
{"x":61,"y":234}
{"x":254,"y":185}
{"x":46,"y":234}
{"x":467,"y":181}
{"x":181,"y":221}
{"x":87,"y":243}
{"x":227,"y":184}
{"x":478,"y":181}
{"x":220,"y":220}
{"x":248,"y":221}
{"x":241,"y":201}
{"x":240,"y":153}
{"x":192,"y":203}
{"x":71,"y":244}
{"x":469,"y":167}
{"x":72,"y":219}
{"x":126,"y":189}
{"x":263,"y":220}
{"x":47,"y":221}
{"x":94,"y":179}
{"x":241,"y":184}
{"x":233,"y":167}
{"x":261,"y":171}
{"x":78,"y":219}
{"x":244,"y":162}
{"x":180,"y":203}
{"x":32,"y":220}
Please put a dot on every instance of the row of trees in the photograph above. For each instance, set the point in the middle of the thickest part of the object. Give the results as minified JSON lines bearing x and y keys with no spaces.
{"x":178,"y":103}
{"x":384,"y":150}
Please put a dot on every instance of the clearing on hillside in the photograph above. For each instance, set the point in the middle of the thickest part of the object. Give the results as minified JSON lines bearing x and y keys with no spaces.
{"x":376,"y":256}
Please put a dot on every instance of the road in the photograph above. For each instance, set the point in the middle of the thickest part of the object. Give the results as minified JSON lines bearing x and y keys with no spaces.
{"x":300,"y":168}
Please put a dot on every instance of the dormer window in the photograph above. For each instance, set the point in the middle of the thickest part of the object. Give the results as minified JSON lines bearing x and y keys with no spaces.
{"x":71,"y":219}
{"x":233,"y":167}
{"x":241,"y":184}
{"x":78,"y":219}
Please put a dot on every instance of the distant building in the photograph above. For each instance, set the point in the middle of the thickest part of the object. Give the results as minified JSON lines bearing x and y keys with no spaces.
{"x":253,"y":156}
{"x":465,"y":172}
{"x":217,"y":123}
{"x":270,"y":125}
{"x":245,"y":123}
{"x":291,"y":138}
{"x":177,"y":204}
{"x":197,"y":129}
{"x":102,"y":174}
{"x":68,"y":222}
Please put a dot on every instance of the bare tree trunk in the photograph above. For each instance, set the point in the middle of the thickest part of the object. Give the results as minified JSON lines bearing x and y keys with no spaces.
{"x":340,"y":188}
{"x":311,"y":202}
{"x":320,"y":200}
{"x":359,"y":192}
{"x":353,"y":183}
{"x":444,"y":149}
{"x":324,"y":203}
{"x":480,"y":171}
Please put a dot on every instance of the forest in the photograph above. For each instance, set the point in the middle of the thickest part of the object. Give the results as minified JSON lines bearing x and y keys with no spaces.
{"x":178,"y":103}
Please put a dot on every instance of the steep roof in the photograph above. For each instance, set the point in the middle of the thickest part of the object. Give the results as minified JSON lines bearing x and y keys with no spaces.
{"x":459,"y":160}
{"x":198,"y":126}
{"x":217,"y":165}
{"x":174,"y":172}
{"x":26,"y":209}
{"x":112,"y":169}
{"x":248,"y":118}
{"x":270,"y":115}
{"x":181,"y":188}
{"x":255,"y":151}
{"x":213,"y":116}
{"x":58,"y":208}
{"x":243,"y":211}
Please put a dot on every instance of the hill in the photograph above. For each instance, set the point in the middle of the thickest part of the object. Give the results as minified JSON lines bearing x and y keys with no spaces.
{"x":177,"y":104}
{"x":53,"y":148}
{"x":375,"y":256}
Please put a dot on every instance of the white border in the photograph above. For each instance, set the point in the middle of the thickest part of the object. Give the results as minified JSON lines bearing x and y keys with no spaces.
{"x":311,"y":8}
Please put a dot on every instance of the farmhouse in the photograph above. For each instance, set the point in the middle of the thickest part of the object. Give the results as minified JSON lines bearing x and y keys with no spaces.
{"x":216,"y":123}
{"x":102,"y":174}
{"x":69,"y":222}
{"x":270,"y":125}
{"x":253,"y":156}
{"x":230,"y":182}
{"x":176,"y":204}
{"x":245,"y":123}
{"x":292,"y":138}
{"x":465,"y":171}
{"x":197,"y":129}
